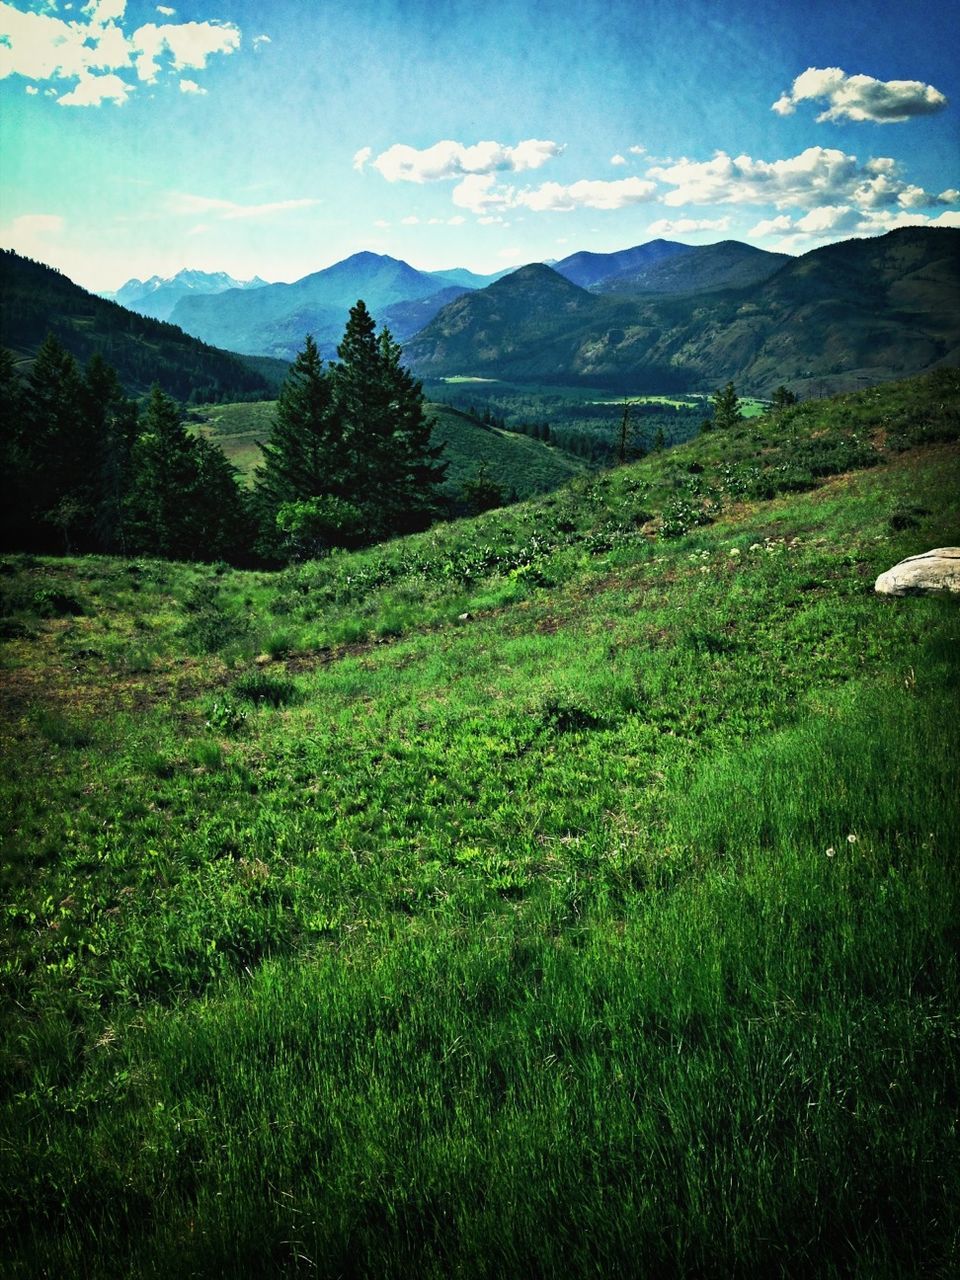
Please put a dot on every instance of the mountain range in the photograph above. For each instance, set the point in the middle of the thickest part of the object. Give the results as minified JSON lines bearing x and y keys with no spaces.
{"x":856,"y":311}
{"x":273,"y":319}
{"x":158,"y":296}
{"x":654,"y":317}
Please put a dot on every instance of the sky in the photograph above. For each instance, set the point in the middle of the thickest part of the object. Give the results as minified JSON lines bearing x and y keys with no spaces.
{"x":276,"y":139}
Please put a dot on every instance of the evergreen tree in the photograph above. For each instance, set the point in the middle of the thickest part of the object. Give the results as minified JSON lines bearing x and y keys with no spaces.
{"x":481,"y":492}
{"x":111,"y":421}
{"x":184,"y":501}
{"x":395,"y":468}
{"x":307,"y":455}
{"x":408,"y":472}
{"x":783,"y":398}
{"x":726,"y":407}
{"x":12,"y":462}
{"x":349,"y":459}
{"x":52,"y":449}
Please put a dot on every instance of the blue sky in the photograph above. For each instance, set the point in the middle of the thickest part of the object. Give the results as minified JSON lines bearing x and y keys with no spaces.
{"x":276,"y":139}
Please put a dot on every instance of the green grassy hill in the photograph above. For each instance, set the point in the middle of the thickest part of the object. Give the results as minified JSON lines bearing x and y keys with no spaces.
{"x":36,"y":300}
{"x":573,"y":890}
{"x":519,"y":463}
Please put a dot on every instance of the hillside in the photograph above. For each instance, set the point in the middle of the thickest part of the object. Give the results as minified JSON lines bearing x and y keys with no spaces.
{"x":725,"y":265}
{"x":527,"y":325}
{"x":862,"y":310}
{"x":593,"y":270}
{"x":273,"y":320}
{"x":521,"y":465}
{"x":36,"y":300}
{"x":591,"y":862}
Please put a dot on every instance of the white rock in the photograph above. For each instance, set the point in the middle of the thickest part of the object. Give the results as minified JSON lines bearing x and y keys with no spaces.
{"x":933,"y":571}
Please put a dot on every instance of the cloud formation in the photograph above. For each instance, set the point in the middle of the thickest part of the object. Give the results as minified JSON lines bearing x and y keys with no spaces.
{"x":450,"y":160}
{"x":479,"y":194}
{"x":837,"y":222}
{"x":96,"y":52}
{"x":683,"y":226}
{"x":860,"y":97}
{"x":587,"y":194}
{"x":815,"y":177}
{"x":192,"y":206}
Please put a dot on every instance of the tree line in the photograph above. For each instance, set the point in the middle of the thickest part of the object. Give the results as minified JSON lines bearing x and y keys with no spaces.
{"x":87,"y":469}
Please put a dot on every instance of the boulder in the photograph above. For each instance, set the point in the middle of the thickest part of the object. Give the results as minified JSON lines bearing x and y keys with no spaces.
{"x":933,"y":571}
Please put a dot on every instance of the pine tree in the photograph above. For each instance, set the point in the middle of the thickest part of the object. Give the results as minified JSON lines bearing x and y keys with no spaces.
{"x":307,"y":455}
{"x":111,"y":421}
{"x":12,"y":461}
{"x":52,"y":448}
{"x":184,"y":501}
{"x":395,"y":469}
{"x":783,"y":398}
{"x":726,"y":407}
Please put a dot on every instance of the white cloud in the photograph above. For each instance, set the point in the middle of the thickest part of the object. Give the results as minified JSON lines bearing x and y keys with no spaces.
{"x":381,"y":222}
{"x":32,"y":90}
{"x":449,"y":160}
{"x":861,"y":97}
{"x":586,"y":194}
{"x":190,"y":86}
{"x":950,"y":196}
{"x":37,"y":224}
{"x":190,"y":206}
{"x":771,"y":227}
{"x":361,"y":157}
{"x":35,"y":235}
{"x":683,"y":226}
{"x":813,"y":178}
{"x":479,"y":194}
{"x":167,"y":12}
{"x":410,"y":221}
{"x":94,"y":51}
{"x":834,"y":222}
{"x":91,"y":91}
{"x":638,"y":151}
{"x":190,"y":44}
{"x":618,"y":159}
{"x":260,"y":41}
{"x":456,"y":221}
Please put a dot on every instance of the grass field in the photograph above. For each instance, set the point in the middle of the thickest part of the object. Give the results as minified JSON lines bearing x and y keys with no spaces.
{"x":523,"y":465}
{"x":570,"y":891}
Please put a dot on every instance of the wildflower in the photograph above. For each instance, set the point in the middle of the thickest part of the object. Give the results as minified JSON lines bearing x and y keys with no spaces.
{"x":831,"y":853}
{"x":734,"y":551}
{"x":851,"y":838}
{"x":755,"y":546}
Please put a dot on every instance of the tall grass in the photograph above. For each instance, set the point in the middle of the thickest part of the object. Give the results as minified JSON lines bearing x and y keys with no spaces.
{"x":609,"y":930}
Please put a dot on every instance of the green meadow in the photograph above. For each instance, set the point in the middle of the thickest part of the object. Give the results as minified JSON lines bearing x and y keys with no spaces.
{"x":570,"y":891}
{"x":524,"y":465}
